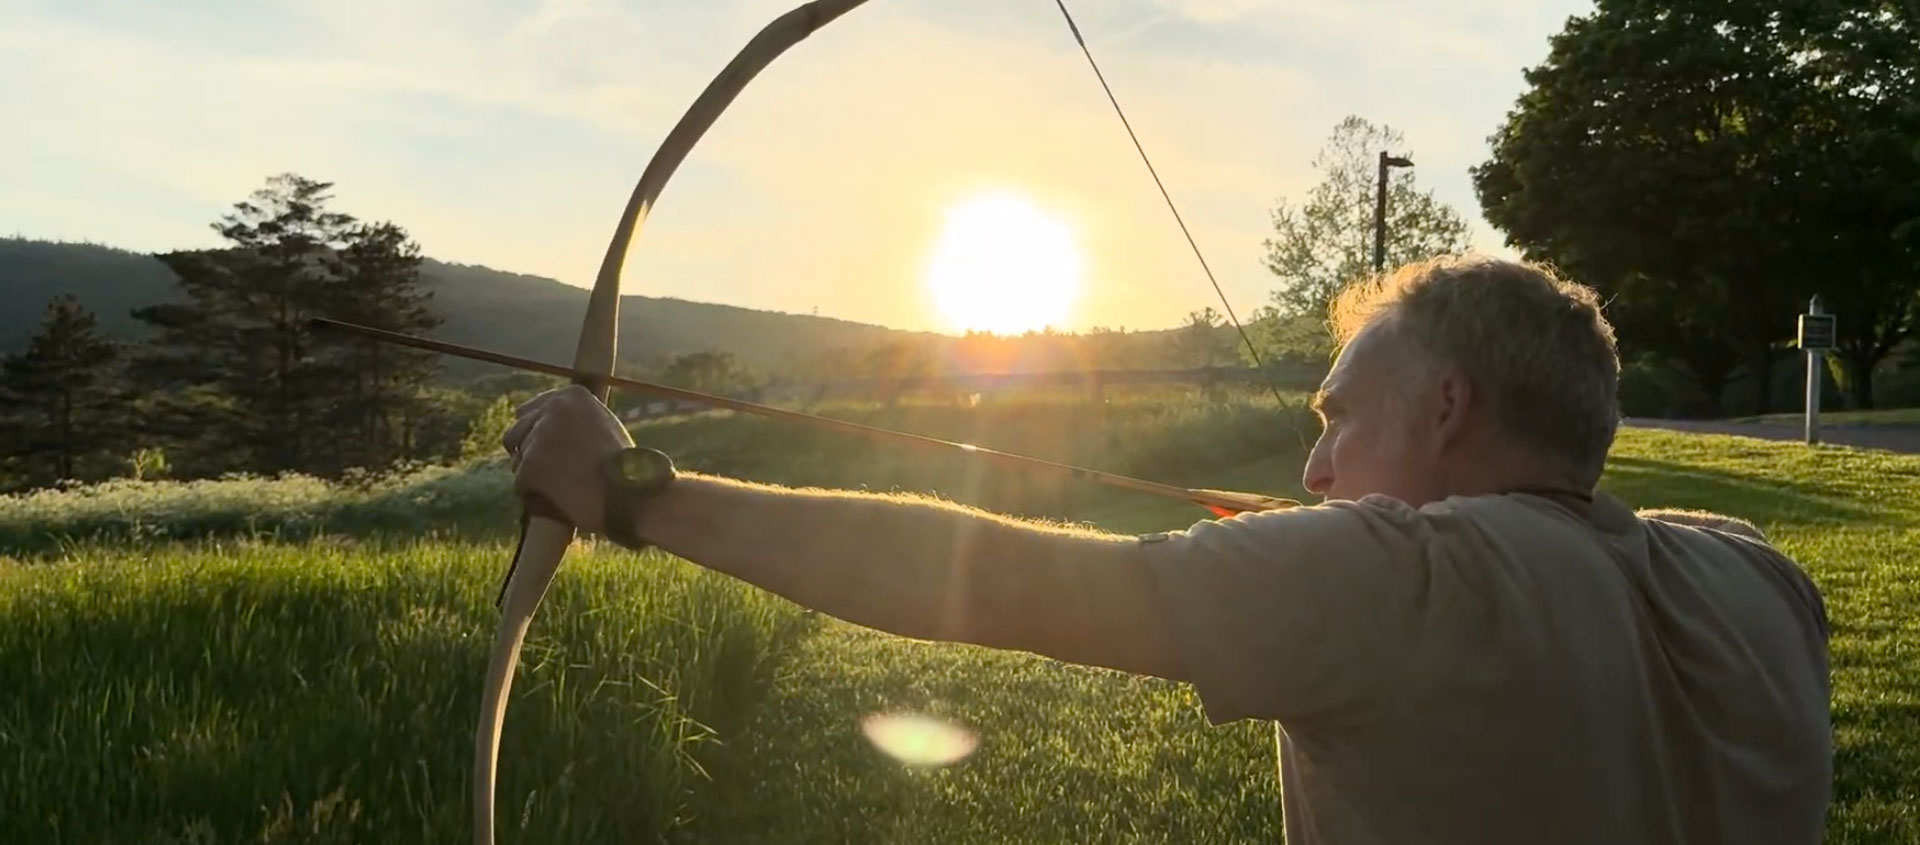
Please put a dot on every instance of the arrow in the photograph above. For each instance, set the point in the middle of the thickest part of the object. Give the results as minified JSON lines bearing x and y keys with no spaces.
{"x":1220,"y":502}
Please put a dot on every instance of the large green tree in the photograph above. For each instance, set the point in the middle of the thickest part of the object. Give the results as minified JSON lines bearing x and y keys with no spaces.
{"x":382,"y":399}
{"x":1325,"y":242}
{"x":1859,"y":135}
{"x":1704,"y":165}
{"x":62,"y":405}
{"x":237,"y":342}
{"x":243,"y":383}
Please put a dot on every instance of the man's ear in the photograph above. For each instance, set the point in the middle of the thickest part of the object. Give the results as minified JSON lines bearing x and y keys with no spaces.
{"x":1454,"y":401}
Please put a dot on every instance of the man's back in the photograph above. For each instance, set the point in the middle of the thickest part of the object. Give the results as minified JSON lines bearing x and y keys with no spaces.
{"x":1558,"y":678}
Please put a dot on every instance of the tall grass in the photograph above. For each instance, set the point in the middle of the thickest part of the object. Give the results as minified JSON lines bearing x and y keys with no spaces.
{"x":246,"y":692}
{"x":473,"y":499}
{"x":1184,"y":438}
{"x":223,"y":690}
{"x":1187,"y":439}
{"x":279,"y":660}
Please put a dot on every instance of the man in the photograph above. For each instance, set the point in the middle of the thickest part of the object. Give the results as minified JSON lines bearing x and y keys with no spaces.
{"x":1464,"y":643}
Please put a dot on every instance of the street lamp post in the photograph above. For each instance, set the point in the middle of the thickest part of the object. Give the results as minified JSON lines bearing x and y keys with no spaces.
{"x":1380,"y":209}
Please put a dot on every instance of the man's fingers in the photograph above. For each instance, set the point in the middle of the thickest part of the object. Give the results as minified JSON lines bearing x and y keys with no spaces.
{"x":541,"y":401}
{"x":553,"y":448}
{"x":517,"y":434}
{"x":616,"y":428}
{"x":524,"y":418}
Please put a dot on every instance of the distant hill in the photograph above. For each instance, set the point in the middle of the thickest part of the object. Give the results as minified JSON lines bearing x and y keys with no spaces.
{"x":515,"y":313}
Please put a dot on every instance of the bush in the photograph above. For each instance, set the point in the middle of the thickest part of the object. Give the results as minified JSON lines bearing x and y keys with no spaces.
{"x":471,"y":498}
{"x":1654,"y":388}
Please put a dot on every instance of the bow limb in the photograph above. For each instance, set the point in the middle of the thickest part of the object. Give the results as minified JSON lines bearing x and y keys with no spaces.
{"x":543,"y":542}
{"x":544,"y":537}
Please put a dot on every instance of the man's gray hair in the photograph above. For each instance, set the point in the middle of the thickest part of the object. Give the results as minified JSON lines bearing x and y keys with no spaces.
{"x":1533,"y":345}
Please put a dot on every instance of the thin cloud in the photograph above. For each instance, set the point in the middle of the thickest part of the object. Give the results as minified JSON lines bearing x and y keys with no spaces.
{"x":509,"y":135}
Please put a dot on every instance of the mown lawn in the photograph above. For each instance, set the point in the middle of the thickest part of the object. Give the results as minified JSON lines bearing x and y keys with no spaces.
{"x":1076,"y":755}
{"x":1886,"y":416}
{"x":325,"y":691}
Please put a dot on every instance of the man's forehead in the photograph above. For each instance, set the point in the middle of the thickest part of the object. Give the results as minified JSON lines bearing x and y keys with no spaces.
{"x":1363,"y":359}
{"x":1335,"y":387}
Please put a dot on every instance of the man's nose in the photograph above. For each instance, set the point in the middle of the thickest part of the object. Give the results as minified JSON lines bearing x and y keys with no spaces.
{"x":1317,"y":476}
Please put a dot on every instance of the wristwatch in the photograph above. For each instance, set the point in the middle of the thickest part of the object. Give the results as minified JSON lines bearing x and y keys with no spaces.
{"x":630,"y":477}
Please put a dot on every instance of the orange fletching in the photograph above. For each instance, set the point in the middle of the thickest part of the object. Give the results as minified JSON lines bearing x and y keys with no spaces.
{"x":1225,"y":503}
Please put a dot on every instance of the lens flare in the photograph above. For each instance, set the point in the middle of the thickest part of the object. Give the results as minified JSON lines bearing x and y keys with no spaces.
{"x":918,"y":740}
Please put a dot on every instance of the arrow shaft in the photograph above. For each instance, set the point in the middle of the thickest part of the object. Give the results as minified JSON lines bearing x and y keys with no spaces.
{"x":1213,"y":499}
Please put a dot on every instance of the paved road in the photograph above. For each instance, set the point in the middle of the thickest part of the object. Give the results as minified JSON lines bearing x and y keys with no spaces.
{"x":1893,"y":438}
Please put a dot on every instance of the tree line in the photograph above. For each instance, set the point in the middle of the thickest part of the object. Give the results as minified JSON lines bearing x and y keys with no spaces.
{"x":230,"y":377}
{"x":1709,"y":167}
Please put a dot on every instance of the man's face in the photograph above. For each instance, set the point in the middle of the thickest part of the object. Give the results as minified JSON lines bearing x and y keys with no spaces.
{"x":1374,"y":440}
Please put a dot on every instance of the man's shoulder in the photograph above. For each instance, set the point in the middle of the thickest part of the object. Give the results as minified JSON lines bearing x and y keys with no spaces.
{"x":1332,"y":530}
{"x":1717,"y":522}
{"x":1375,"y":517}
{"x":1717,"y":538}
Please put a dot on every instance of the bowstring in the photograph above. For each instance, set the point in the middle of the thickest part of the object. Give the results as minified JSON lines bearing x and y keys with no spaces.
{"x":1259,"y":365}
{"x":1285,"y":407}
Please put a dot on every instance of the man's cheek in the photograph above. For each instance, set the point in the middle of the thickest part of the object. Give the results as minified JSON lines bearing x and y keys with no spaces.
{"x":1367,"y":463}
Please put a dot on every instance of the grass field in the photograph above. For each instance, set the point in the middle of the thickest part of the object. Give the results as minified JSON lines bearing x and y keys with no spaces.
{"x":322,"y":687}
{"x":1889,"y":416}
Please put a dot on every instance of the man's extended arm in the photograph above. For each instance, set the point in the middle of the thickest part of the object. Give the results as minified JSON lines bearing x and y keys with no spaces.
{"x":926,"y":569}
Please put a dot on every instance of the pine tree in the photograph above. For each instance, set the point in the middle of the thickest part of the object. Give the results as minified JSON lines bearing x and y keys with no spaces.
{"x":242,"y":335}
{"x":62,"y":405}
{"x":382,"y":398}
{"x":238,"y":377}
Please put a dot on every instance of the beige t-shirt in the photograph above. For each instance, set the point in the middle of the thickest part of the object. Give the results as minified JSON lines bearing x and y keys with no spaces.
{"x":1499,"y":669}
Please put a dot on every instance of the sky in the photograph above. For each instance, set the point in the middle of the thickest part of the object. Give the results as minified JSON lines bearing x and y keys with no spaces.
{"x":509,"y":134}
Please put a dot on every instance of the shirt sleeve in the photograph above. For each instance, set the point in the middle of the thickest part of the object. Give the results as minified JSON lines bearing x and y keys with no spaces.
{"x":1295,"y":614}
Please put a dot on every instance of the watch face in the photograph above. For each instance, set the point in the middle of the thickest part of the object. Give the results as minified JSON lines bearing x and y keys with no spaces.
{"x":644,"y":468}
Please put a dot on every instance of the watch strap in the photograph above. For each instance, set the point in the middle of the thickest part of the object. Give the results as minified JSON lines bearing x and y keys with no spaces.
{"x":625,"y":495}
{"x":621,"y":517}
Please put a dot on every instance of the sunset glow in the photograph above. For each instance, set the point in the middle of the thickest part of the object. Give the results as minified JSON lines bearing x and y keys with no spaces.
{"x":1003,"y":265}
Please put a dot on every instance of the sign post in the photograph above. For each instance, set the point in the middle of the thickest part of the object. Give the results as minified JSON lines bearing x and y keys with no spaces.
{"x":1816,"y":337}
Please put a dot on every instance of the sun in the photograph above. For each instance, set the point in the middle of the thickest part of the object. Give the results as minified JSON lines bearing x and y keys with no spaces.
{"x":1002,"y":265}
